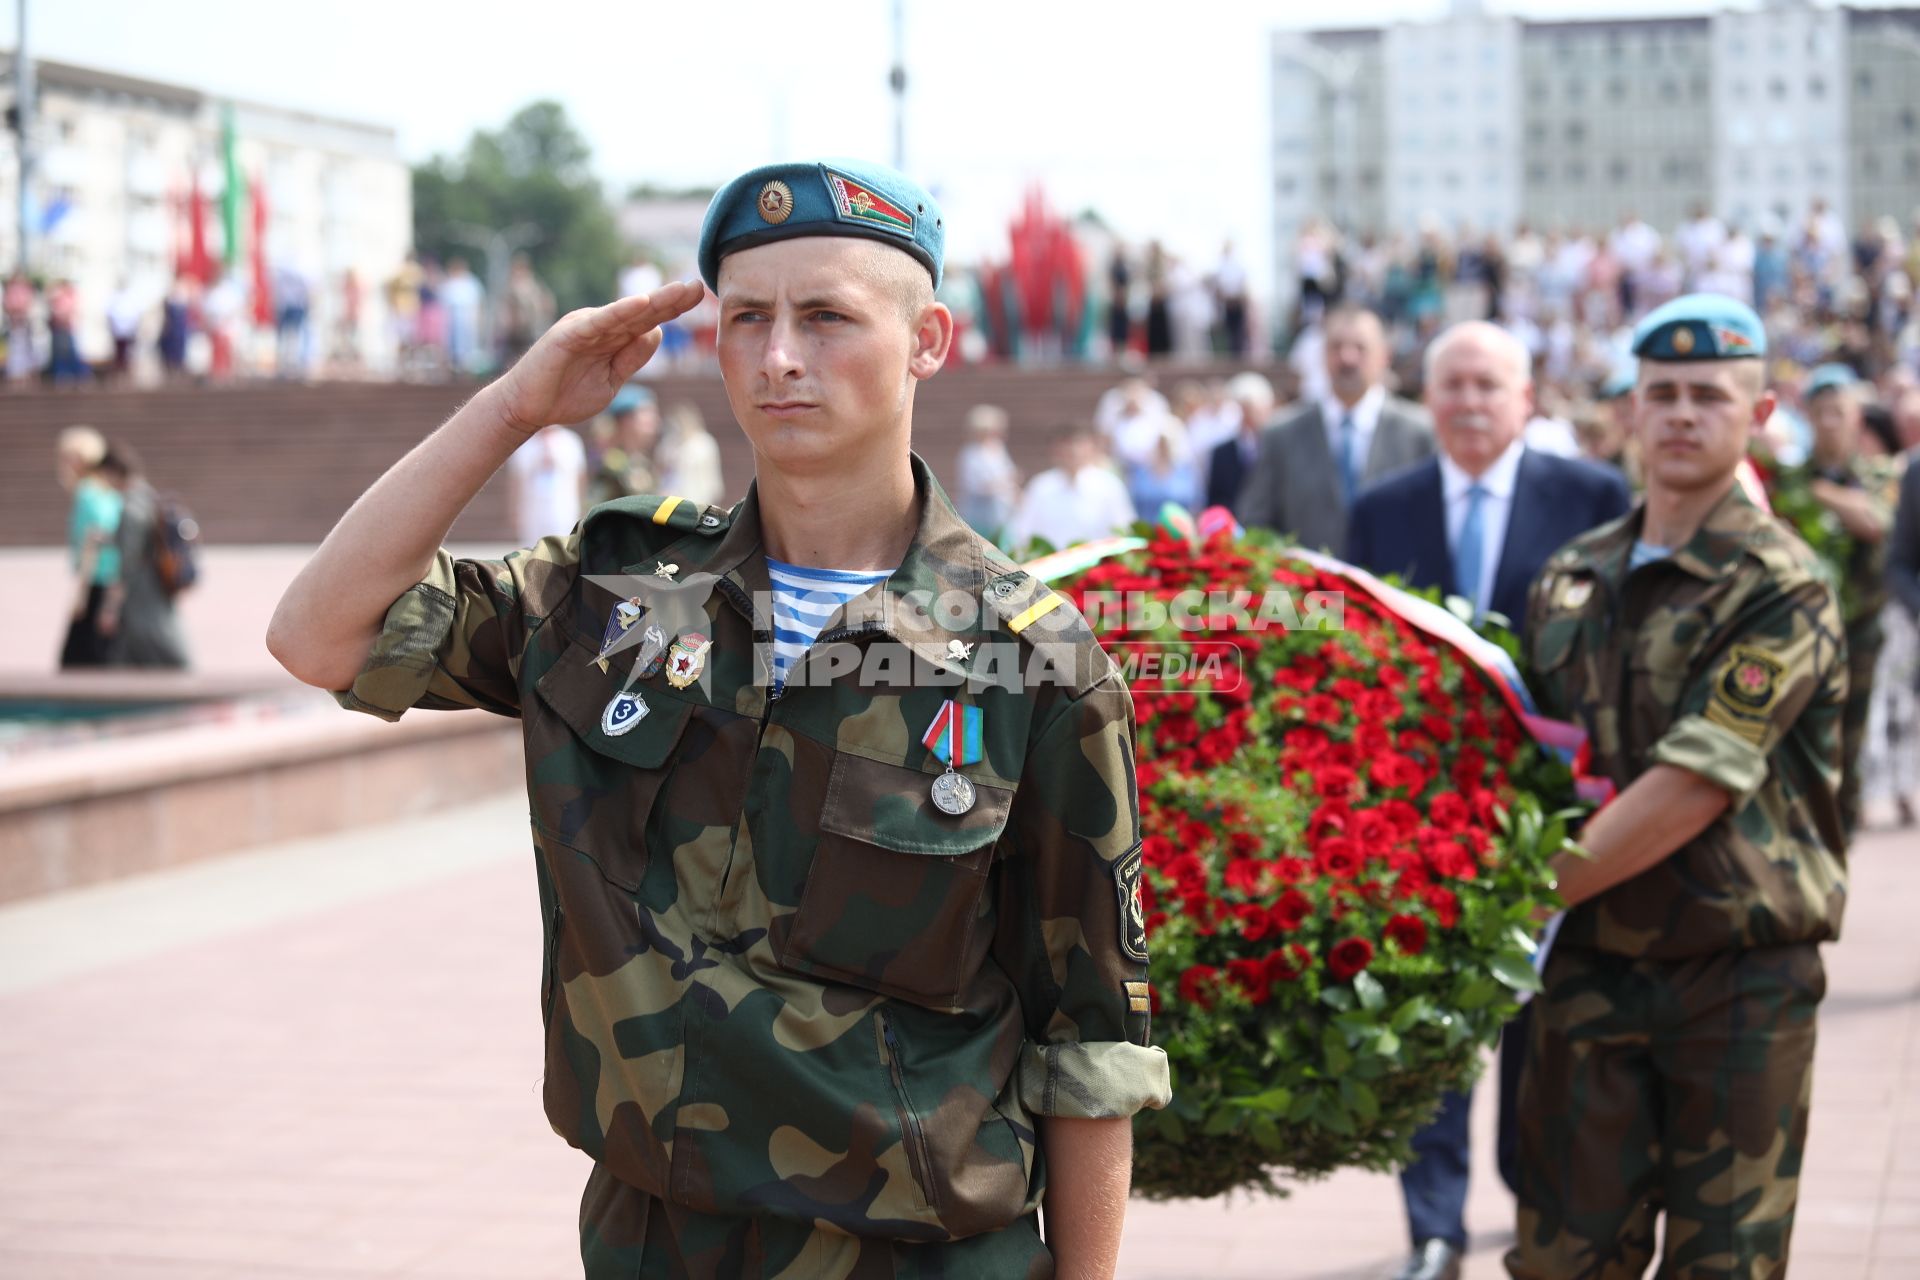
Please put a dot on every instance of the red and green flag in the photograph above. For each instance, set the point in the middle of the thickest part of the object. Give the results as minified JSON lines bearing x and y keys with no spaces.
{"x":862,"y":205}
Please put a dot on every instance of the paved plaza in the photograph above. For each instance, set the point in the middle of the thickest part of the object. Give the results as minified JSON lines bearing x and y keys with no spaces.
{"x":323,"y":1060}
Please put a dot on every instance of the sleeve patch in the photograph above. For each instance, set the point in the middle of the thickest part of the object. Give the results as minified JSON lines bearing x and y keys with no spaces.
{"x":1745,"y":691}
{"x":1133,"y":920}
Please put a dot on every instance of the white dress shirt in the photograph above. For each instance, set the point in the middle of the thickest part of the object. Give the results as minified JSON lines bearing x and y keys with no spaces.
{"x":1499,"y":481}
{"x":1069,"y":509}
{"x":1366,"y":416}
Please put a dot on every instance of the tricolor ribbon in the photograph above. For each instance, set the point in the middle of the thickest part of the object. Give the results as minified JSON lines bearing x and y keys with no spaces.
{"x":954,"y":735}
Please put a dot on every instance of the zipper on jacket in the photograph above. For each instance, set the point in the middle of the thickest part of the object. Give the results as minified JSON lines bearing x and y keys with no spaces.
{"x":919,"y":1155}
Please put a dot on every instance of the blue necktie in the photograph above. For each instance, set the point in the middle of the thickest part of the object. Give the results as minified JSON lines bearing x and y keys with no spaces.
{"x":1349,"y":465}
{"x":1469,"y":548}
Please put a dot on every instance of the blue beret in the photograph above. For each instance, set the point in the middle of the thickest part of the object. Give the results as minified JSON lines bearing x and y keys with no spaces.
{"x":1621,"y":381}
{"x":1700,"y":326}
{"x":829,"y":198}
{"x":1828,"y":377}
{"x":628,"y":398}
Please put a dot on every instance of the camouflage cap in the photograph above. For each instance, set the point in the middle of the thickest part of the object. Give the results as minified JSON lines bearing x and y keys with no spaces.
{"x":1700,"y":326}
{"x":827,"y":198}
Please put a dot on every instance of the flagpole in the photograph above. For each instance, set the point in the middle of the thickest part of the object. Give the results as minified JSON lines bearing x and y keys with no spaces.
{"x":897,"y":81}
{"x":23,"y":103}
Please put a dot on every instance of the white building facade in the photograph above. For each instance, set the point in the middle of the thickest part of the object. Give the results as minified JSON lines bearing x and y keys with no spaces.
{"x":117,"y":159}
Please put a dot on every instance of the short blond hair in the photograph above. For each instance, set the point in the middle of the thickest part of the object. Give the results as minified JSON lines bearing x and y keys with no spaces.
{"x":83,"y":444}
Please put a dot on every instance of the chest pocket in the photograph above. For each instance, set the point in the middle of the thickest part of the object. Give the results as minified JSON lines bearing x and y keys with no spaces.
{"x":594,"y":776}
{"x":895,"y":898}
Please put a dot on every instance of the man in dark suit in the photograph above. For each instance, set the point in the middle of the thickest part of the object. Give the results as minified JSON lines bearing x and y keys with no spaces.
{"x":1230,"y":461}
{"x":1477,"y":521}
{"x":1315,"y":460}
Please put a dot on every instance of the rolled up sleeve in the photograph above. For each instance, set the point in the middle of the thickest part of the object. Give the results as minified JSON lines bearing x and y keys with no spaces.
{"x":454,"y":639}
{"x":1782,"y":658}
{"x":1070,"y":935}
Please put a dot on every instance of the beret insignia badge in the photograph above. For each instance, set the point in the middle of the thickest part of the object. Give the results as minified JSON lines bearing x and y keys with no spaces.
{"x":1682,"y":341}
{"x":776,"y":202}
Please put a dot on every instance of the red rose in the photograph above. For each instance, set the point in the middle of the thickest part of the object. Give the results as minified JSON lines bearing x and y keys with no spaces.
{"x":1244,"y":874}
{"x":1289,"y":962}
{"x":1336,"y":857}
{"x":1408,"y":933}
{"x":1371,"y":832}
{"x":1372,"y":739}
{"x":1323,"y":709}
{"x":1334,"y":782}
{"x":1196,"y":985}
{"x":1291,"y":910}
{"x":1379,"y":705}
{"x":1449,"y":812}
{"x":1445,"y":907}
{"x":1251,"y":977}
{"x":1292,"y":870}
{"x":1256,"y":921}
{"x":1348,"y":957}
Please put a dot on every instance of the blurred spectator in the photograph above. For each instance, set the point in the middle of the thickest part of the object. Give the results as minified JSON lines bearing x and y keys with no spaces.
{"x":689,"y":457}
{"x":1210,"y":412}
{"x":64,"y":364}
{"x":123,"y":326}
{"x":17,"y":304}
{"x":640,"y":275}
{"x":1231,"y":460}
{"x":137,"y":616}
{"x":176,"y":326}
{"x":987,"y":482}
{"x":92,"y":525}
{"x":1166,"y":474}
{"x":292,"y":301}
{"x":463,"y":302}
{"x":1159,"y":302}
{"x":221,"y":312}
{"x":525,"y":312}
{"x":1077,"y":500}
{"x":1230,"y":295}
{"x":1119,"y":301}
{"x":1132,"y":417}
{"x":546,"y":484}
{"x":626,"y":466}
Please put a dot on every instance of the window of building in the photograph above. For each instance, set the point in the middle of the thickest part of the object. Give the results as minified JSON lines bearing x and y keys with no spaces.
{"x":1537,"y":91}
{"x":1576,"y":171}
{"x":1616,"y":89}
{"x":1370,"y":179}
{"x":1870,"y":164}
{"x":1576,"y":90}
{"x":1697,"y":88}
{"x":1617,"y":170}
{"x":1817,"y":169}
{"x":1537,"y":173}
{"x":1669,"y":90}
{"x":1910,"y":165}
{"x":1285,"y":184}
{"x":1863,"y":83}
{"x":1743,"y":167}
{"x":1537,"y":132}
{"x":1450,"y":180}
{"x":1738,"y":89}
{"x":1906,"y":120}
{"x":1777,"y":89}
{"x":1576,"y":132}
{"x":1816,"y":87}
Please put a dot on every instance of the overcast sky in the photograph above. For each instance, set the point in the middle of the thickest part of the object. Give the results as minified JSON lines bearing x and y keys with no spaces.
{"x":1160,"y":124}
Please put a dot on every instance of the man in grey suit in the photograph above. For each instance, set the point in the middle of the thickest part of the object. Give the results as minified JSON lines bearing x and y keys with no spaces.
{"x":1316,"y":458}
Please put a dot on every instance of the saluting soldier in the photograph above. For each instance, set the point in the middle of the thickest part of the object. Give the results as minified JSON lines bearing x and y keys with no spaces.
{"x":1700,"y":644}
{"x":843,"y":971}
{"x":1857,"y":495}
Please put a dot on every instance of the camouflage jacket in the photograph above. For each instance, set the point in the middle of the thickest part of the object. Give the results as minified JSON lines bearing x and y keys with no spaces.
{"x":779,"y":980}
{"x":1727,"y":659}
{"x":1857,"y":567}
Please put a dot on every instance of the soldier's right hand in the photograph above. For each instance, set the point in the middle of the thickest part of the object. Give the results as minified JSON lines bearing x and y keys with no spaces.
{"x":575,"y":368}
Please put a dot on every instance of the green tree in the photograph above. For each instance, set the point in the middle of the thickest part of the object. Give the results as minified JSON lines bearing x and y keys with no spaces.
{"x":533,"y":182}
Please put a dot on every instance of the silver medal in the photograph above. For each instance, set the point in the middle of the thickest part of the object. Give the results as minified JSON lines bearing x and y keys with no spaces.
{"x":952,"y":793}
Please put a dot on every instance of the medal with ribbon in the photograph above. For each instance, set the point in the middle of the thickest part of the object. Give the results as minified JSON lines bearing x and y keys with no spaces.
{"x":954,"y":739}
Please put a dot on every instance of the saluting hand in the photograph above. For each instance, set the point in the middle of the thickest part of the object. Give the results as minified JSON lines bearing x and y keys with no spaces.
{"x":575,"y":368}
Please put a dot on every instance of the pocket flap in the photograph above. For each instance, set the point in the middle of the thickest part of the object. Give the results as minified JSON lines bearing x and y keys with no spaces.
{"x":892,"y":806}
{"x":580,"y":693}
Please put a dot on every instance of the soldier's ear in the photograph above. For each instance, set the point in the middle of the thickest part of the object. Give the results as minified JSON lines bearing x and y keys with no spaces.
{"x":932,"y":336}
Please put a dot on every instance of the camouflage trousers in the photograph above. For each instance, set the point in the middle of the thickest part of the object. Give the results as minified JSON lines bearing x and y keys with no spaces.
{"x":1675,"y":1087}
{"x":626,"y":1234}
